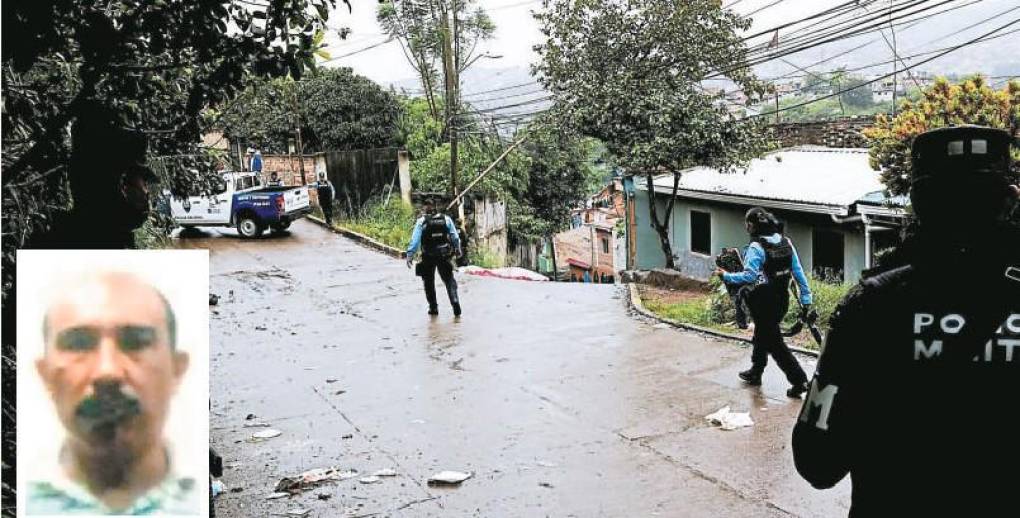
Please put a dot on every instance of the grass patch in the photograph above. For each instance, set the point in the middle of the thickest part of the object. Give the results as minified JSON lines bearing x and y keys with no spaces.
{"x":714,"y":310}
{"x":484,"y":258}
{"x":388,"y":222}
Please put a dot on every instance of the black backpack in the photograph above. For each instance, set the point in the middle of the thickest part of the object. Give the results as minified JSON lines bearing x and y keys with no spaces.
{"x":436,"y":237}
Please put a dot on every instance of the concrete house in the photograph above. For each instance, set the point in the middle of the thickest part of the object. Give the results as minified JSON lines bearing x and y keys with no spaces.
{"x":830,"y":200}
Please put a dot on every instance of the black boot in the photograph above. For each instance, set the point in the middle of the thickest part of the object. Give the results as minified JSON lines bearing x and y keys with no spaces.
{"x":433,"y":310}
{"x":798,"y":389}
{"x":751,"y":376}
{"x":456,"y":309}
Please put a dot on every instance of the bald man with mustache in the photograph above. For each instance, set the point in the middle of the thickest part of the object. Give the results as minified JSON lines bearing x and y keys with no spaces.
{"x":111,"y":366}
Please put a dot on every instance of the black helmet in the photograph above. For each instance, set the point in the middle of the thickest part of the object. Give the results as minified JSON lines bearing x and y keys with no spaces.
{"x":960,"y":172}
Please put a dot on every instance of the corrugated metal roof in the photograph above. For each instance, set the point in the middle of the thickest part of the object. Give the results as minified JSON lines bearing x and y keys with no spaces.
{"x":810,"y":174}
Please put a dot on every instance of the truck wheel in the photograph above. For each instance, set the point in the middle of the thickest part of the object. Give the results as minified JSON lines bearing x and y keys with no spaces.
{"x":249,"y":227}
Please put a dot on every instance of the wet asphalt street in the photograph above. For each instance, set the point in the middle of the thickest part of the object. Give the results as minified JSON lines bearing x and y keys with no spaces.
{"x":556,"y":398}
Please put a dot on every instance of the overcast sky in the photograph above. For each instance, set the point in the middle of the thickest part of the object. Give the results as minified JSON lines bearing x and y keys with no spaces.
{"x":517,"y":32}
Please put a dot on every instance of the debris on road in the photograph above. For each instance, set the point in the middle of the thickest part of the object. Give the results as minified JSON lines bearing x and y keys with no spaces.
{"x":386,"y":472}
{"x":260,"y":328}
{"x":312,"y":478}
{"x":214,"y":299}
{"x":729,"y":420}
{"x":347,"y":436}
{"x":256,"y":425}
{"x":216,"y":488}
{"x":448,"y":478}
{"x":278,"y":494}
{"x":249,"y":417}
{"x":545,"y":484}
{"x":323,"y":496}
{"x":545,"y":464}
{"x":371,"y":479}
{"x":331,"y":380}
{"x":300,"y":511}
{"x":268,"y":433}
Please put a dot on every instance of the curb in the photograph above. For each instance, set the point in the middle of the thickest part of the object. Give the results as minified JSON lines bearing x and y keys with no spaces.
{"x":634,"y":301}
{"x":361,"y":238}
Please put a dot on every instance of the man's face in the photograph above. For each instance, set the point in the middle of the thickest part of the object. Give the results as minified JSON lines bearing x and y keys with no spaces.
{"x":108,"y":365}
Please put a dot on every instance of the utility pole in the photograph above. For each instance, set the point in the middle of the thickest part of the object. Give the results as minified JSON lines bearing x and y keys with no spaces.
{"x":776,"y":90}
{"x":450,"y":69}
{"x":297,"y":135}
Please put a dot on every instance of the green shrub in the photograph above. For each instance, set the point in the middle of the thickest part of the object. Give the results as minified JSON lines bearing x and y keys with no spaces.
{"x":825,"y":295}
{"x":388,"y":222}
{"x":484,"y":258}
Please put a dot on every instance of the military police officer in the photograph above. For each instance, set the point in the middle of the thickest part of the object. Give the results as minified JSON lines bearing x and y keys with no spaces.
{"x":437,"y":236}
{"x":915,"y":393}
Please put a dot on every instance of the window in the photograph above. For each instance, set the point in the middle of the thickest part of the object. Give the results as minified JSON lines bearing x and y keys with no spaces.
{"x":827,"y":254}
{"x":605,"y":246}
{"x":701,"y":232}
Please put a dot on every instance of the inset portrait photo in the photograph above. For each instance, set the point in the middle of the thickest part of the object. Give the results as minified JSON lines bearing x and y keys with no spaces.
{"x":113,"y":383}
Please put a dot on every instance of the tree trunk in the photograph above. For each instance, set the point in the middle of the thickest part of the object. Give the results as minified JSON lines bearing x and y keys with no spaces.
{"x":662,"y":229}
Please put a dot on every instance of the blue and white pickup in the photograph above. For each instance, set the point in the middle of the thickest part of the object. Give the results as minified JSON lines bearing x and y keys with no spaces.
{"x":243,"y":202}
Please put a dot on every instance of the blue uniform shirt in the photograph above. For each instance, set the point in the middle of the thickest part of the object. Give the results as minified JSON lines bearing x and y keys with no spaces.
{"x":416,"y":235}
{"x":754,"y":259}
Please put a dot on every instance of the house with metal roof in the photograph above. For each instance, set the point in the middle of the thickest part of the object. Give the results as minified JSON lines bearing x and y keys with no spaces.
{"x":831,"y":202}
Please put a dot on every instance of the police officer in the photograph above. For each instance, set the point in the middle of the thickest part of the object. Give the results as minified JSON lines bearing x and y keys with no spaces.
{"x":324,"y":189}
{"x":770,"y":263}
{"x":915,"y":393}
{"x":274,"y":180}
{"x":437,"y":236}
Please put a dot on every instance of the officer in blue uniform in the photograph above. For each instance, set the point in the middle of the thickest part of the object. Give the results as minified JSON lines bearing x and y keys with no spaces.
{"x":770,"y":263}
{"x":437,"y":236}
{"x":915,"y":393}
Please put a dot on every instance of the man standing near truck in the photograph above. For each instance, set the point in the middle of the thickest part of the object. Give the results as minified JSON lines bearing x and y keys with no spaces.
{"x":437,"y":236}
{"x":324,"y":189}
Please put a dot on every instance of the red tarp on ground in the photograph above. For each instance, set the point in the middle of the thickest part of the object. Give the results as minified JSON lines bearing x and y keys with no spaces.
{"x":513,"y":273}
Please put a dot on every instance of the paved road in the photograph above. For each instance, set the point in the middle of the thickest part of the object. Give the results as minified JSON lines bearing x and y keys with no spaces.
{"x":557,"y":399}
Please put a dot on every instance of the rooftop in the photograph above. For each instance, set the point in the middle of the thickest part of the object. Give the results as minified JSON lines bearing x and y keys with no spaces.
{"x":807,"y":178}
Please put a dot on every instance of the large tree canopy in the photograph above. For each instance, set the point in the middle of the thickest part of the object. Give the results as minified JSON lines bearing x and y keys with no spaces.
{"x":971,"y":102}
{"x":335,"y":109}
{"x":629,"y":73}
{"x":153,"y":66}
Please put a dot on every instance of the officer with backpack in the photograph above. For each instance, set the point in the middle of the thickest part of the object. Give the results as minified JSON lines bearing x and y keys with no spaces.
{"x":437,"y":236}
{"x":770,"y":263}
{"x":915,"y":393}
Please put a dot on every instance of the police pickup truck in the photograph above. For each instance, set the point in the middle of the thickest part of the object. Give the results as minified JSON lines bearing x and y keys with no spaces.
{"x":242,"y":202}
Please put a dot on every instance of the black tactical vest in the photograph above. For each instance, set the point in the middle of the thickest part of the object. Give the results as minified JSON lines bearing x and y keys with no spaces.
{"x":778,"y":267}
{"x":436,"y":237}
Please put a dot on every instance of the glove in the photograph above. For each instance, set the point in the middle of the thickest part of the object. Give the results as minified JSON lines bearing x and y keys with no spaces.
{"x":410,"y":261}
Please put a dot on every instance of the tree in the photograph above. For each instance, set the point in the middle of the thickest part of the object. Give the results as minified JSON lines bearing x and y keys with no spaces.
{"x":337,"y":110}
{"x":943,"y":104}
{"x":629,"y":74}
{"x":561,"y":174}
{"x":419,"y":26}
{"x":155,"y":66}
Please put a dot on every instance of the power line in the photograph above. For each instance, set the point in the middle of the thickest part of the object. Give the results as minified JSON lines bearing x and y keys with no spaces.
{"x":359,"y":51}
{"x":511,"y":87}
{"x":886,"y":76}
